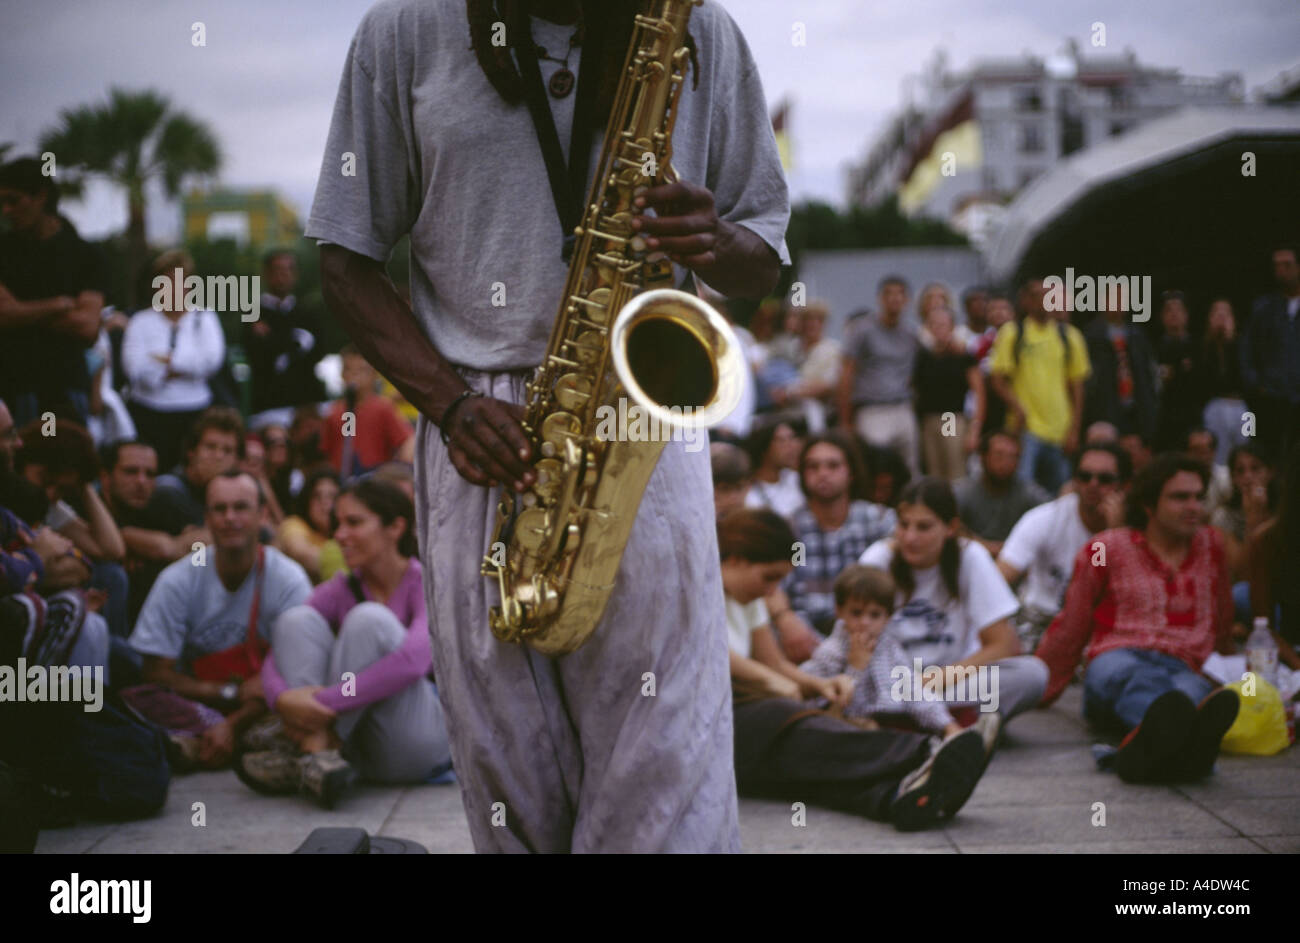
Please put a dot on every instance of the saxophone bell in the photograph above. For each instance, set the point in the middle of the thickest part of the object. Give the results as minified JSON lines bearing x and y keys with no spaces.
{"x":678,"y":359}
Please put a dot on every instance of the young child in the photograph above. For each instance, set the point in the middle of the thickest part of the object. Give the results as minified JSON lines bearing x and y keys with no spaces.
{"x":859,"y":647}
{"x":785,"y":750}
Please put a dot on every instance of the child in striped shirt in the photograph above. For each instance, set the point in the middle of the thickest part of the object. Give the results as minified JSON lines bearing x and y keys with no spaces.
{"x":859,"y":647}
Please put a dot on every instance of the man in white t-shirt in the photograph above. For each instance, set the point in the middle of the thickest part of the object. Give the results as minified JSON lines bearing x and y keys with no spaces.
{"x":1042,"y":546}
{"x":942,"y":630}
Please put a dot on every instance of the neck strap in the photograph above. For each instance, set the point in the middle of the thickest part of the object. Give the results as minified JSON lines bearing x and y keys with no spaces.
{"x":568,"y":184}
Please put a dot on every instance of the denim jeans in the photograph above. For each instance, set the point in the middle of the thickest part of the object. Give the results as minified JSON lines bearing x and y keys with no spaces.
{"x":91,"y":648}
{"x":1121,"y":684}
{"x":1043,"y":462}
{"x":112,"y":579}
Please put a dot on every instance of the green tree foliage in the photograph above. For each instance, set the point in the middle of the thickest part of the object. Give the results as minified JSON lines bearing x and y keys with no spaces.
{"x":131,"y":139}
{"x":816,"y":225}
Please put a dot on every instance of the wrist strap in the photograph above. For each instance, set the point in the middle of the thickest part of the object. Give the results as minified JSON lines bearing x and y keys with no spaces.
{"x":446,"y":413}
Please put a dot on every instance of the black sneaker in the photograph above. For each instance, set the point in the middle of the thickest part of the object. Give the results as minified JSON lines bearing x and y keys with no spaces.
{"x":1214,"y":715}
{"x":1151,"y":750}
{"x":940,"y":786}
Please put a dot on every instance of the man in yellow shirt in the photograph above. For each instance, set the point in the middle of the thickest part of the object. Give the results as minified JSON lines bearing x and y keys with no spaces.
{"x":1038,"y":366}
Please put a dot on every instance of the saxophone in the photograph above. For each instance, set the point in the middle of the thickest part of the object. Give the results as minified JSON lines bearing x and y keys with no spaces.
{"x":621,"y":338}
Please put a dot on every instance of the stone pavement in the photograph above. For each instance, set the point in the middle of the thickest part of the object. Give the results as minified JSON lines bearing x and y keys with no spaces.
{"x":1037,"y":796}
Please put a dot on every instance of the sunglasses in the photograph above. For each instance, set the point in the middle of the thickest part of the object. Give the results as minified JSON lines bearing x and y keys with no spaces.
{"x":1102,"y":478}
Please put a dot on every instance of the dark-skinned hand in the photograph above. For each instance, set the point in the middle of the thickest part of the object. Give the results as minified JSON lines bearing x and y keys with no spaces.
{"x":685,"y":226}
{"x":488,"y":444}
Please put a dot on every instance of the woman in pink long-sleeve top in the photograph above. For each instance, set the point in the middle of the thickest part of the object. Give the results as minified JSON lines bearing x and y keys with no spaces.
{"x":349,"y":674}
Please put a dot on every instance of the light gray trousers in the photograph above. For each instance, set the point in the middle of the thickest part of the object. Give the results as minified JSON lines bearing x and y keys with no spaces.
{"x":1021,"y":681}
{"x":401,"y":739}
{"x":624,"y":745}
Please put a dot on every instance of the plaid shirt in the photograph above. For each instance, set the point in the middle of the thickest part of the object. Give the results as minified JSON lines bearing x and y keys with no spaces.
{"x":873,"y":686}
{"x":1137,"y":601}
{"x":810,"y":586}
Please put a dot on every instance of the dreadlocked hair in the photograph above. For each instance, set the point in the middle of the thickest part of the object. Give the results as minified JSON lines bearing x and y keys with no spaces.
{"x":500,"y":68}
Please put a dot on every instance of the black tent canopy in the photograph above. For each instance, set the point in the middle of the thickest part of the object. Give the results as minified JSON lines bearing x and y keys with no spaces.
{"x":1168,"y":199}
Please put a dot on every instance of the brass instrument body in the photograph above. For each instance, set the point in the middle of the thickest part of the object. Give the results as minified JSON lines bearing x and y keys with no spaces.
{"x":620,"y":332}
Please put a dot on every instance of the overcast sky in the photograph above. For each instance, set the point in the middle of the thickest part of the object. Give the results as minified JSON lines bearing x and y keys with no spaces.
{"x":266,"y":80}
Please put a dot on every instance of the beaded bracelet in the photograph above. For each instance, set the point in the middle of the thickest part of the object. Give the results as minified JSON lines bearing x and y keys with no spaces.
{"x":442,"y":423}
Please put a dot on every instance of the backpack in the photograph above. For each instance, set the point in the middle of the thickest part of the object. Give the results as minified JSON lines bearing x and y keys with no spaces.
{"x":1020,"y":341}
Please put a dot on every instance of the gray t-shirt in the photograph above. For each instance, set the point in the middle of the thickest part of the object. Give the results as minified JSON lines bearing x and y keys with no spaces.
{"x":440,"y":155}
{"x":991,"y":516}
{"x":884,"y":358}
{"x":189,"y":612}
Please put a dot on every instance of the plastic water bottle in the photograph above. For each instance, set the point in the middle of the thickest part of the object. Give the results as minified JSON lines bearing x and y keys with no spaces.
{"x":1261,"y":652}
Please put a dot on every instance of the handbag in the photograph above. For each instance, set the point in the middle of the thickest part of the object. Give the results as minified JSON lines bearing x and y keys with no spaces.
{"x":239,"y":662}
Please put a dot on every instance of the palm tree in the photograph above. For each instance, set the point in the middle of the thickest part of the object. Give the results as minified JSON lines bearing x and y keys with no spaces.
{"x":131,"y":138}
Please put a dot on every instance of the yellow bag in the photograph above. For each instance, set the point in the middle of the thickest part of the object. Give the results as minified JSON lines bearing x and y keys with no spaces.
{"x":1260,"y":727}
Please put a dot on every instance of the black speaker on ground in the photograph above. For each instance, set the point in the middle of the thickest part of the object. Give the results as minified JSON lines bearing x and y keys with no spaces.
{"x":355,"y":841}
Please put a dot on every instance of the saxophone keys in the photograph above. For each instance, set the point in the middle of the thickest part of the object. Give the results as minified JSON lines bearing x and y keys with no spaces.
{"x":546,"y":599}
{"x":556,"y":428}
{"x":598,"y":305}
{"x":550,"y":480}
{"x":572,"y":537}
{"x":572,"y":391}
{"x":508,"y":620}
{"x":587,"y":347}
{"x":530,"y":529}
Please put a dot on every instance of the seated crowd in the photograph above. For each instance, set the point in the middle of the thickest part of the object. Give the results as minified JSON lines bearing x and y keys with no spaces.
{"x":1103,"y":507}
{"x":248,"y":588}
{"x":901,"y":515}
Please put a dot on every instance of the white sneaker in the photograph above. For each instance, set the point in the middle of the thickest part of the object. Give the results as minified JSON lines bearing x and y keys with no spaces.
{"x":988,"y":726}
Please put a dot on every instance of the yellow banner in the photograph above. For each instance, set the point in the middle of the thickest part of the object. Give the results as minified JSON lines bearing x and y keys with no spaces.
{"x":962,"y":145}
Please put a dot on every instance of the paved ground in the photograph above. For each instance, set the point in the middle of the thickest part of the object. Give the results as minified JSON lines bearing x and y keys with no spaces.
{"x":1037,"y":796}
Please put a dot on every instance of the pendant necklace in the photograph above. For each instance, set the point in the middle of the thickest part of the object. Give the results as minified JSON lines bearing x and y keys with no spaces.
{"x":562,"y":81}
